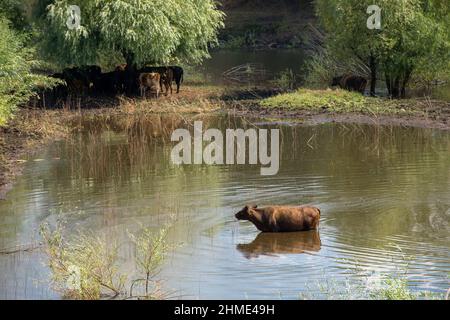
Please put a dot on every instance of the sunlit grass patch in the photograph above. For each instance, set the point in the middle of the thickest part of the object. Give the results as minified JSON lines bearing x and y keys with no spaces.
{"x":191,"y":99}
{"x":153,"y":106}
{"x":339,"y":101}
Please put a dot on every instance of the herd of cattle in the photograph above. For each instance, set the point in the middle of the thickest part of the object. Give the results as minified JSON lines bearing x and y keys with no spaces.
{"x":90,"y":81}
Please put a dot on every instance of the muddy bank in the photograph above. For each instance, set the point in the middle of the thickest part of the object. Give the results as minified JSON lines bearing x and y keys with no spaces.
{"x":434,"y":115}
{"x":25,"y":134}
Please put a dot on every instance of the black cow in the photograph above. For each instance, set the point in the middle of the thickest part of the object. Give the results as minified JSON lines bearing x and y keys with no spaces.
{"x":351,"y":83}
{"x":166,"y":79}
{"x":109,"y":83}
{"x":178,"y":75}
{"x":81,"y":79}
{"x":91,"y":72}
{"x":159,"y":70}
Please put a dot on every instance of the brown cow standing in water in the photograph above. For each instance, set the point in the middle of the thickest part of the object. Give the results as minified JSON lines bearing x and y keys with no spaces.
{"x":281,"y":218}
{"x":351,"y":83}
{"x":150,"y":81}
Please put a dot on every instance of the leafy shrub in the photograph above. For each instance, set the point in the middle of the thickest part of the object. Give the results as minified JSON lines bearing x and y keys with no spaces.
{"x":394,"y":289}
{"x":17,"y":83}
{"x":87,"y":266}
{"x":150,"y":249}
{"x":83,"y":268}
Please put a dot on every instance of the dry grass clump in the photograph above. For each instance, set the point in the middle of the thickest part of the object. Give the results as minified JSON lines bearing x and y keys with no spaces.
{"x":152,"y":106}
{"x":191,"y":99}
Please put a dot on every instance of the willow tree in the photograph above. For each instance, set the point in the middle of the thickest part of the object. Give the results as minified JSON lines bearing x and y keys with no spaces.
{"x":17,"y":82}
{"x":141,"y":31}
{"x":412,"y":33}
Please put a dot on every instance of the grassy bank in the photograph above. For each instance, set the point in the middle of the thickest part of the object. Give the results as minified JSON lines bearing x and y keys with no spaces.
{"x":342,"y":106}
{"x":340,"y":101}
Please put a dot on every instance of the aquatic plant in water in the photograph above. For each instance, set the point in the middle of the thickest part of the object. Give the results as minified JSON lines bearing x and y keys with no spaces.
{"x":369,"y":285}
{"x":86,"y":267}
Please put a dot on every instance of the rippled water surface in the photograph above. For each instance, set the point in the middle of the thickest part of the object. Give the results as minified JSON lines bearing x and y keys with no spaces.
{"x":272,"y":61}
{"x":384,"y":193}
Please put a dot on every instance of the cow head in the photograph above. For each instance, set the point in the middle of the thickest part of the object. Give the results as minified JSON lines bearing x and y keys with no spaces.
{"x":245,"y":213}
{"x":336,"y":81}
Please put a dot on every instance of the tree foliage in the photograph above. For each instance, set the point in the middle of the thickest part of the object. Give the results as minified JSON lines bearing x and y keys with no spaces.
{"x":14,"y":11}
{"x":414,"y":36}
{"x":17,"y":83}
{"x":143,"y":31}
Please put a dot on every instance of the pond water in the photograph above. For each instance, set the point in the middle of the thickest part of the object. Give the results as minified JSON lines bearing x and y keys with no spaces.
{"x":384,"y":193}
{"x":272,"y":61}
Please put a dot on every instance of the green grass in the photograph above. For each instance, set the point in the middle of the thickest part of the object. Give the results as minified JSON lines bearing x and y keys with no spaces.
{"x":338,"y":101}
{"x":442,"y":93}
{"x":395,"y":289}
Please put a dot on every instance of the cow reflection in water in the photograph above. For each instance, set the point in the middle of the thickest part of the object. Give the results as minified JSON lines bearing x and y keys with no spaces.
{"x":271,"y":244}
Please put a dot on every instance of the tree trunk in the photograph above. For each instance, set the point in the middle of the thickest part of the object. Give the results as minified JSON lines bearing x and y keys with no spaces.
{"x":393,"y":85}
{"x":388,"y":84}
{"x":405,"y":81}
{"x":396,"y":88}
{"x":397,"y":82}
{"x":373,"y":75}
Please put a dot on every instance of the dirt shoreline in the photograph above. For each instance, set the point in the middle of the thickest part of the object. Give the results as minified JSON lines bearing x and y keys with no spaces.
{"x":33,"y":129}
{"x":306,"y":117}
